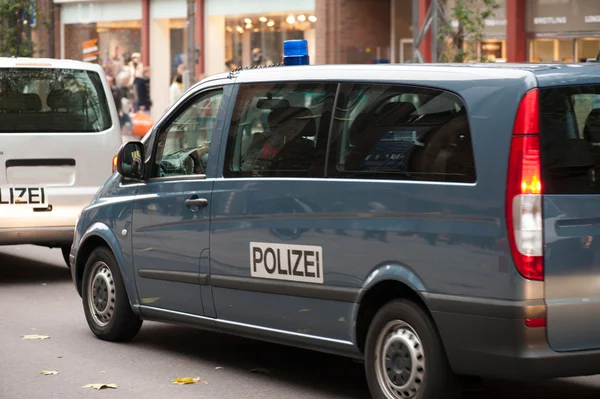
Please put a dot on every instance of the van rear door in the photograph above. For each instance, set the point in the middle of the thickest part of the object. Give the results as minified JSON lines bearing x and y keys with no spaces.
{"x":58,"y":133}
{"x":570,"y":164}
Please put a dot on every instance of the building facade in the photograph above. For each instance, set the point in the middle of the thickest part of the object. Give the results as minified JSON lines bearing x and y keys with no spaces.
{"x":519,"y":31}
{"x":228,"y":34}
{"x":233,"y":33}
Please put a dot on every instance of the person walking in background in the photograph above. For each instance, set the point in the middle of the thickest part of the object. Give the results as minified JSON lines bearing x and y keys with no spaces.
{"x":177,"y":88}
{"x":122,"y":96}
{"x":142,"y":89}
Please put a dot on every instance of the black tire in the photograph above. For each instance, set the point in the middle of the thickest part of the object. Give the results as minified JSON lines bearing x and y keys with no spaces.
{"x":66,"y":251}
{"x":119,"y":323}
{"x":434,"y":380}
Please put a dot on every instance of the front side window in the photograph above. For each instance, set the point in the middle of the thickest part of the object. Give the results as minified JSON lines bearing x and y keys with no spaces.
{"x":48,"y":100}
{"x":183,"y":145}
{"x":400,"y":132}
{"x":279,"y":129}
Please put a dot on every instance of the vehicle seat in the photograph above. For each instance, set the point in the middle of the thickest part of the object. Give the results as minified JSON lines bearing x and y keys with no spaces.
{"x":446,"y":149}
{"x":289,"y":129}
{"x":591,"y":131}
{"x":369,"y":129}
{"x":12,"y":101}
{"x":63,"y":103}
{"x":33,"y":102}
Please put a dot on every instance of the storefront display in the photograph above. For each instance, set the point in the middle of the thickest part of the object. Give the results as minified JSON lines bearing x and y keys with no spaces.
{"x":563,"y":30}
{"x":256,"y":39}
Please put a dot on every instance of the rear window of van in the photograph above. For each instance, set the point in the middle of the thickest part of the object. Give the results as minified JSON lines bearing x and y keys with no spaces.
{"x":46,"y":100}
{"x":570,"y":139}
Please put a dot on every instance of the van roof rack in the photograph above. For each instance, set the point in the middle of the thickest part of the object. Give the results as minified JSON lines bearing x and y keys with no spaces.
{"x":239,"y":69}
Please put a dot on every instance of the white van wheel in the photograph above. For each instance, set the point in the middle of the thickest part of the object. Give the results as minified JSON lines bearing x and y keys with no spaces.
{"x":404,"y":356}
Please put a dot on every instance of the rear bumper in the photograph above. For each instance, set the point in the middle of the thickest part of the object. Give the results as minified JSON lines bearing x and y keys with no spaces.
{"x":491,"y":340}
{"x":50,"y":236}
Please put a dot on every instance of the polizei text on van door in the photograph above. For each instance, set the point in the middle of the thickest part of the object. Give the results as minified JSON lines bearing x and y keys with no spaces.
{"x":303,"y":263}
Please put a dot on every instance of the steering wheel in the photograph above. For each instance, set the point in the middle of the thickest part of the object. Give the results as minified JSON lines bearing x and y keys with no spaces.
{"x":162,"y":170}
{"x":198,"y":167}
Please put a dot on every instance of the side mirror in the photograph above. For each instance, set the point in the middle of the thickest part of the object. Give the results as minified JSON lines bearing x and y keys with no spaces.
{"x":130,"y":160}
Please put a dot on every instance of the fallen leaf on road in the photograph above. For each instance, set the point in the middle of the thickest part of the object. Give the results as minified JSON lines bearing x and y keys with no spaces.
{"x":100,"y":386}
{"x":48,"y":372}
{"x":187,"y":380}
{"x":60,"y":357}
{"x":35,"y":336}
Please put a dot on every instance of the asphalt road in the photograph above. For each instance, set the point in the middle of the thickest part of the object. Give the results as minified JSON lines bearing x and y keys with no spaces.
{"x":37,"y":297}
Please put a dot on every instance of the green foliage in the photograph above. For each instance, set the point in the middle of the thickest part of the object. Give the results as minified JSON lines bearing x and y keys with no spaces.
{"x":460,"y":43}
{"x":14,"y":27}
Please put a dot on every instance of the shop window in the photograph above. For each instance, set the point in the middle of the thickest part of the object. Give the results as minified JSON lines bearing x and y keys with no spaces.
{"x":256,"y":40}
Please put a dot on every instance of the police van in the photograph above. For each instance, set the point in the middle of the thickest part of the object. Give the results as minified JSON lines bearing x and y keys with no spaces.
{"x":437,"y":221}
{"x":59,"y":133}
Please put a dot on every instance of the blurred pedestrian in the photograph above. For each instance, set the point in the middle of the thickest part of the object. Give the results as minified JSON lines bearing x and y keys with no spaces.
{"x":142,"y":88}
{"x":123,"y":99}
{"x":177,"y":88}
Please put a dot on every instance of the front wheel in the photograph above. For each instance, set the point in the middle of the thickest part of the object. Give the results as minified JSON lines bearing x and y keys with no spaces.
{"x":105,"y":301}
{"x":404,"y":356}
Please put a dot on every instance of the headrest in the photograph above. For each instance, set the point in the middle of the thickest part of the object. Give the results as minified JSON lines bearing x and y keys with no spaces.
{"x":293,"y":121}
{"x":12,"y":101}
{"x":359,"y":126}
{"x":33,"y":102}
{"x":396,"y":112}
{"x":591,"y":131}
{"x":64,"y":99}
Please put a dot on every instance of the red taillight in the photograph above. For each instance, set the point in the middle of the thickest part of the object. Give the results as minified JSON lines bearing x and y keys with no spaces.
{"x":524,"y":189}
{"x":114,"y":164}
{"x":540,"y":322}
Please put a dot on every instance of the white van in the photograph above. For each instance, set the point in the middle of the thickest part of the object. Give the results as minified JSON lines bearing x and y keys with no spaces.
{"x":59,"y":133}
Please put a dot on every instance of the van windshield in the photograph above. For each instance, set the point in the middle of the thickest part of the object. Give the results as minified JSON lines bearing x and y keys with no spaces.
{"x":570,"y":139}
{"x":46,"y":100}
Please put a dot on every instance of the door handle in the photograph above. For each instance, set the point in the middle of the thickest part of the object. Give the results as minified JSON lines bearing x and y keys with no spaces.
{"x":199,"y":202}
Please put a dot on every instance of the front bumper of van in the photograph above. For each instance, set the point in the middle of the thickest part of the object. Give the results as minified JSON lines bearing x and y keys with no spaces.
{"x":490,"y":339}
{"x":47,"y":236}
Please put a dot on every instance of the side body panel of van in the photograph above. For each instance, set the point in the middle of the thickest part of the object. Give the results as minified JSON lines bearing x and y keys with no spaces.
{"x":306,"y":241}
{"x":50,"y":140}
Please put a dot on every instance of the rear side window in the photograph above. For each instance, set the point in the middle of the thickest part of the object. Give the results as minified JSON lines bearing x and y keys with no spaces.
{"x":570,"y":139}
{"x":45,"y":100}
{"x":400,"y":133}
{"x":280,"y":130}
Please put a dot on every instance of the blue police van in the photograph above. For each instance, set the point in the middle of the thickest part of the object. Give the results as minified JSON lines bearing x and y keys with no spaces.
{"x":437,"y":221}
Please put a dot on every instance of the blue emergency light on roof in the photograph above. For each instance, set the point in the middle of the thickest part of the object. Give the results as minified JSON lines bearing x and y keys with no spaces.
{"x":295,"y":52}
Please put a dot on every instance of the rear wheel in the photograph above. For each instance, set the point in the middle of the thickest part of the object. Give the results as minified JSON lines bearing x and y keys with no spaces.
{"x":105,"y":301}
{"x":404,"y":357}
